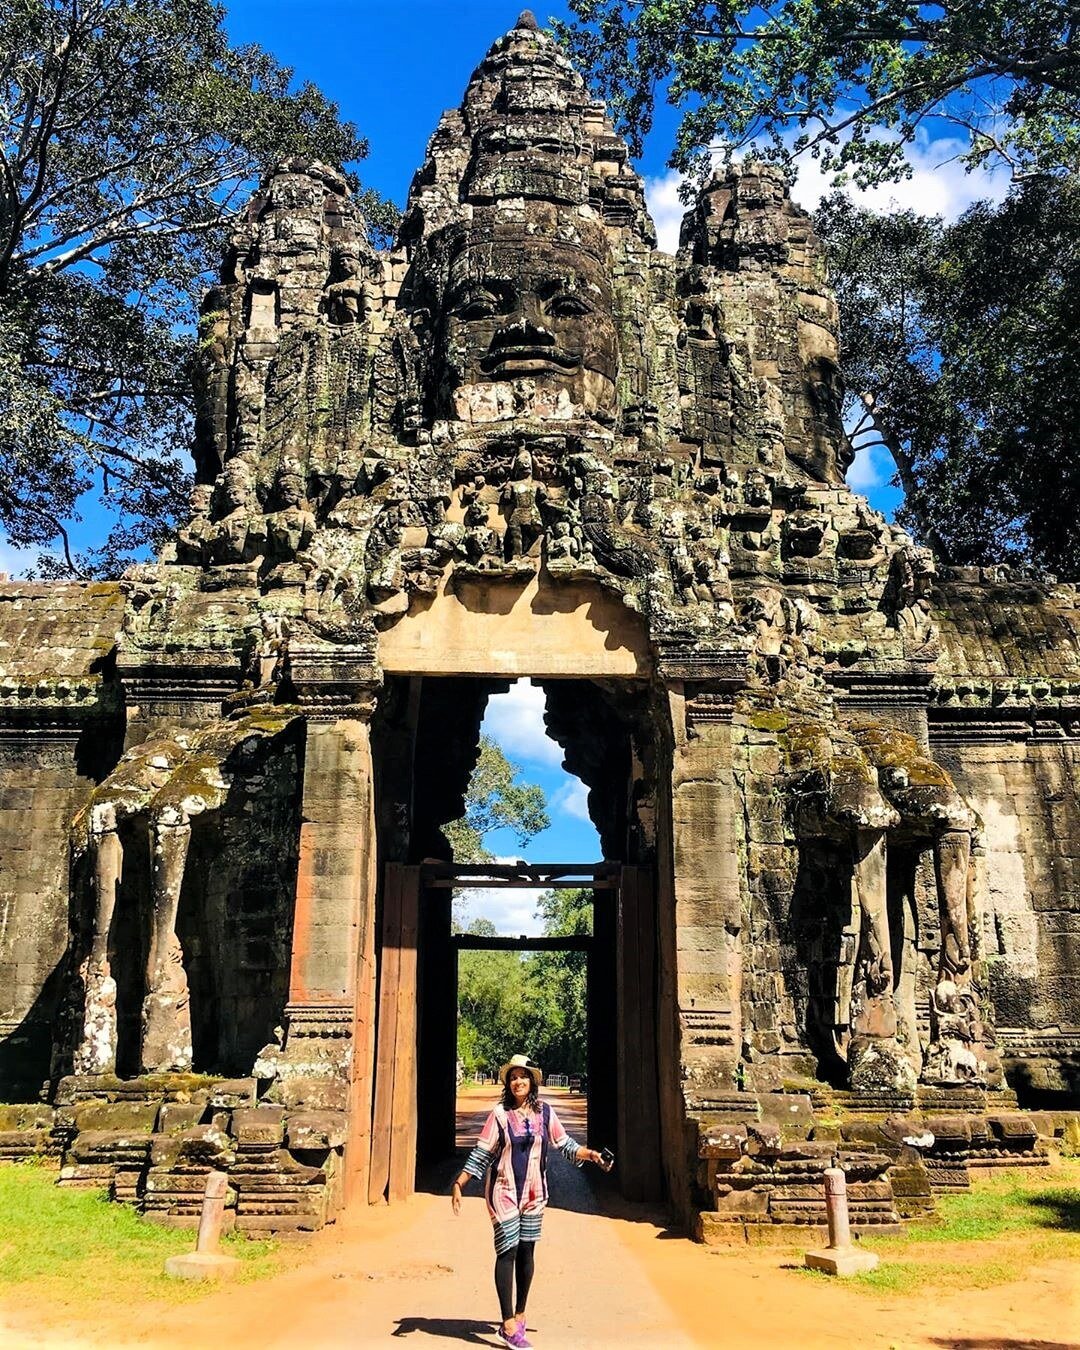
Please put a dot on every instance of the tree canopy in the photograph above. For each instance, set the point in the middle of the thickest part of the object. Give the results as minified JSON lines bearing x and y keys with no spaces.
{"x":961,"y":352}
{"x":131,"y":132}
{"x":849,"y":81}
{"x":507,"y":1002}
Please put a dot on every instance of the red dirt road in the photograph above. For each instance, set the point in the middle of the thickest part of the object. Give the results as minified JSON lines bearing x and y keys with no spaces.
{"x":608,"y":1275}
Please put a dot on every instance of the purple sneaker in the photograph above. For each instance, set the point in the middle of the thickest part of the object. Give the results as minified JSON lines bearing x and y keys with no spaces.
{"x":516,"y":1338}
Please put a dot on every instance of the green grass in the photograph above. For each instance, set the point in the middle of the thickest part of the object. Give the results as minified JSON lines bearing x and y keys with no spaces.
{"x":81,"y":1250}
{"x":1007,"y":1222}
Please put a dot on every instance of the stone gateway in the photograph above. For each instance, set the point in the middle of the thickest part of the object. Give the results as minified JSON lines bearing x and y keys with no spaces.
{"x":837,"y":916}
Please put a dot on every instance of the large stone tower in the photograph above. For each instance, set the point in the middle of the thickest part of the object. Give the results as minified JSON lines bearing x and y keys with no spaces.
{"x":836,"y":792}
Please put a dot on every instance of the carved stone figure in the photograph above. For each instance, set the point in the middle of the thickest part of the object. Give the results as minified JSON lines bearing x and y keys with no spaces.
{"x":523,"y":497}
{"x":239,"y":535}
{"x":520,"y":306}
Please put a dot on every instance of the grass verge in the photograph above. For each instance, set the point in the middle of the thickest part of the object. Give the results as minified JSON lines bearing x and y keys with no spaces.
{"x":84,"y":1254}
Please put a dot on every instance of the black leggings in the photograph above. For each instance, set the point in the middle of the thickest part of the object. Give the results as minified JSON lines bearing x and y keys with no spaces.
{"x":518,"y":1259}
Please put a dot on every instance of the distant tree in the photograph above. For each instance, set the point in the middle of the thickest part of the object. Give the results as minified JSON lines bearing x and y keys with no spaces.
{"x":131,"y":133}
{"x":491,"y":997}
{"x":538,"y":1003}
{"x":849,"y":81}
{"x":557,"y":985}
{"x":495,"y":800}
{"x":961,"y":352}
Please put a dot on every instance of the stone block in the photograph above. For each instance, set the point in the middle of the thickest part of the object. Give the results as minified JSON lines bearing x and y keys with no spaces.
{"x":260,"y":1125}
{"x":26,"y":1116}
{"x":126,"y":1116}
{"x":202,"y":1266}
{"x":233,"y":1092}
{"x":842,"y":1261}
{"x":174,"y":1116}
{"x":1015,"y":1130}
{"x":316,"y":1131}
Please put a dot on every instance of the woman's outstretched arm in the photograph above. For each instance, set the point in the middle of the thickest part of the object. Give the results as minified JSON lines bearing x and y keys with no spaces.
{"x":575,"y":1152}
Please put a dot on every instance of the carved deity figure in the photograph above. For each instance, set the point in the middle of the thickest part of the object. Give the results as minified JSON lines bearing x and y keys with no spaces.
{"x":523,"y":496}
{"x":347,"y":295}
{"x":193,"y":539}
{"x":240,"y":533}
{"x":291,"y":528}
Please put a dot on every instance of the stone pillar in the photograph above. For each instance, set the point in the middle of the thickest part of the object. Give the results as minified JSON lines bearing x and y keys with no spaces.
{"x":327,"y":1059}
{"x":952,"y":856}
{"x":166,"y":1010}
{"x":97,"y":1049}
{"x":708,"y":896}
{"x":699,"y":924}
{"x":875,"y":1062}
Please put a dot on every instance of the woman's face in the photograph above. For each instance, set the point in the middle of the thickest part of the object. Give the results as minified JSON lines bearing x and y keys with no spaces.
{"x":520,"y":1084}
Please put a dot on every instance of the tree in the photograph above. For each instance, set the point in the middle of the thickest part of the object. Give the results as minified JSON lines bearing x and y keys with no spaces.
{"x":961,"y":351}
{"x":495,"y":800}
{"x":539,"y":1003}
{"x":557,"y":986}
{"x":131,"y":132}
{"x":849,"y":81}
{"x":491,"y":999}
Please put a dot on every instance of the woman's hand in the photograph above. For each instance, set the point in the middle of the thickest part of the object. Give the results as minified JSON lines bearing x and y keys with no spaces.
{"x":597,"y":1158}
{"x":455,"y":1197}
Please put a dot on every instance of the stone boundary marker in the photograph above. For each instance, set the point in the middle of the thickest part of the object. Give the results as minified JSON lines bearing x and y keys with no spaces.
{"x":207,"y":1262}
{"x":840,"y":1258}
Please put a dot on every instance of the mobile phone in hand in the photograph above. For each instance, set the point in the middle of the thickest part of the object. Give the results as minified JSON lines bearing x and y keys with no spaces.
{"x":607,"y":1158}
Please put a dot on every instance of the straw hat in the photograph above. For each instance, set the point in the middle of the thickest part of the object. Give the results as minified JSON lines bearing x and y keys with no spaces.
{"x":521,"y":1062}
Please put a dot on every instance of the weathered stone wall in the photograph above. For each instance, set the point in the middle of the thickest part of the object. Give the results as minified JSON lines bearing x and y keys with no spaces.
{"x":58,"y":733}
{"x":1026,"y":793}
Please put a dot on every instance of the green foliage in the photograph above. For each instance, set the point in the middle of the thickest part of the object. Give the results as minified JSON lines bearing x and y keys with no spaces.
{"x":495,"y":800}
{"x":961,"y":353}
{"x":536,"y":1004}
{"x":557,"y":1012}
{"x":87,"y":1253}
{"x":131,"y":133}
{"x":849,"y":81}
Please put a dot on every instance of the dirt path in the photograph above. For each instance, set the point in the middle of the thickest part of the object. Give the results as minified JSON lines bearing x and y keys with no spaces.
{"x":608,"y":1275}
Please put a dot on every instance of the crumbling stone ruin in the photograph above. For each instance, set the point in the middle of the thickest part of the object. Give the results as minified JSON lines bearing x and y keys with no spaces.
{"x":836,"y":788}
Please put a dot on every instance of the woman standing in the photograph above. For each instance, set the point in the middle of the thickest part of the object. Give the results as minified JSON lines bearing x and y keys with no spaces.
{"x":511,"y":1154}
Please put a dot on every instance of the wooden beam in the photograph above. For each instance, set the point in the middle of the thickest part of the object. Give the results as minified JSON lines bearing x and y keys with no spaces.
{"x":389,"y":977}
{"x":403,"y":1116}
{"x":522,"y":883}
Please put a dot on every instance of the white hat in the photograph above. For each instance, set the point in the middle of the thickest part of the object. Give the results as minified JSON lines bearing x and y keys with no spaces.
{"x":521,"y":1062}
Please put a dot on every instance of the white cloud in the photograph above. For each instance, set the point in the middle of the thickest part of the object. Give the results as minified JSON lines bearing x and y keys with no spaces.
{"x":511,"y":911}
{"x":516,"y":721}
{"x":667,"y":211}
{"x":572,"y":799}
{"x":939,"y":186}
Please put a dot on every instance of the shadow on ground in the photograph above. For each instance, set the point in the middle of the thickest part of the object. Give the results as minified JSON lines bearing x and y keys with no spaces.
{"x":1000,"y":1343}
{"x":1064,"y":1205}
{"x":455,"y":1328}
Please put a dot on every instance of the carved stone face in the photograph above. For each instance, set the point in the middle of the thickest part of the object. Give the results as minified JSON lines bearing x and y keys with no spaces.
{"x":521,"y":306}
